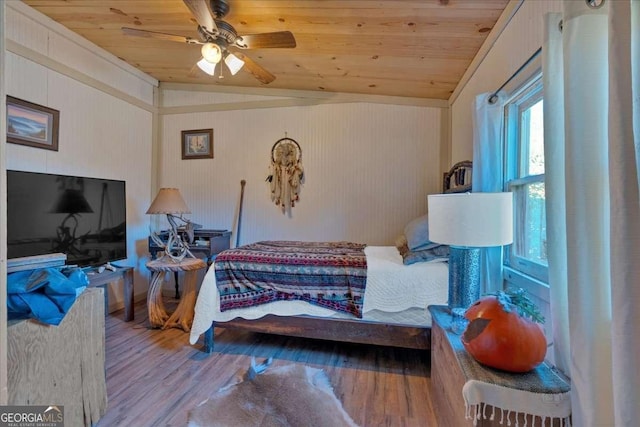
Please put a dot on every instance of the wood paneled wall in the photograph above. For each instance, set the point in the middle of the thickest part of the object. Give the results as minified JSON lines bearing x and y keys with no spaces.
{"x":519,"y":40}
{"x":368,"y":168}
{"x":100,"y":134}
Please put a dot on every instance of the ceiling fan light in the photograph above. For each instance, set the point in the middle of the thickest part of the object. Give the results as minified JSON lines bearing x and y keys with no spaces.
{"x":234,"y":63}
{"x":211,"y":52}
{"x":207,"y":67}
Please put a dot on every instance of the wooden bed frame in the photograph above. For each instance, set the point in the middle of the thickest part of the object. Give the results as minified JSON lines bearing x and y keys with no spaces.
{"x":332,"y":329}
{"x":348,"y":330}
{"x":458,"y":179}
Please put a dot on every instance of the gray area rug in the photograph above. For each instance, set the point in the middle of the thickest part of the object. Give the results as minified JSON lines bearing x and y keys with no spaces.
{"x":286,"y":396}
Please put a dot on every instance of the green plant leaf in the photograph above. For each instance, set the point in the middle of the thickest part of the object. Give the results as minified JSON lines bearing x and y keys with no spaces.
{"x":519,"y":300}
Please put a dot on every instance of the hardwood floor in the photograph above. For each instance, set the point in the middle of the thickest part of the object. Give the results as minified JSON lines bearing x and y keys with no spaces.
{"x":155,"y":377}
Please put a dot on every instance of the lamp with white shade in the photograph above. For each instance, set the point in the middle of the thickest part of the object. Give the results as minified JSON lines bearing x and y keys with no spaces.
{"x":467,"y":222}
{"x":169,"y":201}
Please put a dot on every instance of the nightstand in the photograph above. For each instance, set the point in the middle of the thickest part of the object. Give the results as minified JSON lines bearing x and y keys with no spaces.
{"x":206,"y":242}
{"x":462,"y":388}
{"x":183,"y":316}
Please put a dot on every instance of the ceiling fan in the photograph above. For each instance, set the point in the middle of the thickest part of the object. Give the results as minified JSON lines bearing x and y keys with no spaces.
{"x":218,"y":38}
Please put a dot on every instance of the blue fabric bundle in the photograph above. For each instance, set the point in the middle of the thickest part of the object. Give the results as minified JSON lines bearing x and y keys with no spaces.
{"x":45,"y":294}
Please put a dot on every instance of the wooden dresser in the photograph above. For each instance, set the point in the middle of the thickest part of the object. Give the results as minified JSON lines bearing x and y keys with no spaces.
{"x":448,"y":379}
{"x":61,"y":365}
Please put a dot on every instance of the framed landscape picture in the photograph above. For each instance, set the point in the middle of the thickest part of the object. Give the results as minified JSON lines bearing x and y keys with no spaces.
{"x":197,"y":144}
{"x":32,"y":124}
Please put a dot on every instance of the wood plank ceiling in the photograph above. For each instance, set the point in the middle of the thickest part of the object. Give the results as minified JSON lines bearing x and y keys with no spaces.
{"x":414,"y":48}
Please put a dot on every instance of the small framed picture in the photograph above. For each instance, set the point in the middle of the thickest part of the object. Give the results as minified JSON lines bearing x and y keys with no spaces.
{"x":32,"y":124}
{"x":197,"y":144}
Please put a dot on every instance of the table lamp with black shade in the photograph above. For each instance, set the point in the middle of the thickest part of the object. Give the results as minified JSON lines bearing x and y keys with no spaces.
{"x":170,"y":202}
{"x":73,"y":203}
{"x":467,"y":222}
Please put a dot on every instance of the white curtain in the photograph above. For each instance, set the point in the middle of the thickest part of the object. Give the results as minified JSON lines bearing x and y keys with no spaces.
{"x":592,"y":142}
{"x":488,"y":166}
{"x":555,"y":187}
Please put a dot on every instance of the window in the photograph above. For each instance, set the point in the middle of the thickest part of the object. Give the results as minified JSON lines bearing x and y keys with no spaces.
{"x":525,"y":178}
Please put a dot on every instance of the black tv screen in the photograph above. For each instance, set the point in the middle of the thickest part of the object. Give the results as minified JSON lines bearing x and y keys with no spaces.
{"x":84,"y":218}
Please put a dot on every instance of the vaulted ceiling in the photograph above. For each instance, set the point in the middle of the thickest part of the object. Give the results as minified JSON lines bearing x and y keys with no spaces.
{"x":414,"y":48}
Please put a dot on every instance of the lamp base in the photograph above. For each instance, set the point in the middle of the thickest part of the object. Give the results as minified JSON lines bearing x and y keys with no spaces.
{"x":176,"y":248}
{"x":464,"y":276}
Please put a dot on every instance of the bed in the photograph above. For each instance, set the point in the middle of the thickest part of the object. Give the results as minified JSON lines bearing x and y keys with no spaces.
{"x":393,"y":311}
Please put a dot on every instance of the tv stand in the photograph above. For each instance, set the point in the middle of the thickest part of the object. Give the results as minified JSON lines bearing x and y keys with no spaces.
{"x":106,"y":266}
{"x":105,"y":277}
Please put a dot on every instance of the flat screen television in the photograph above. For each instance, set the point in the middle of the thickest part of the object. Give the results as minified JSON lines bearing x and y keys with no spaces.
{"x":84,"y":218}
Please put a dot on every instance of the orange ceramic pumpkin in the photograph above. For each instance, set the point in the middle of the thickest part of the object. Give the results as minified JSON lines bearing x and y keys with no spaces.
{"x":499,"y":336}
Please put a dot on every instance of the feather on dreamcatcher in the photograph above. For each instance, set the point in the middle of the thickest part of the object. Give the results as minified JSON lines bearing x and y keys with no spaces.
{"x":286,"y":173}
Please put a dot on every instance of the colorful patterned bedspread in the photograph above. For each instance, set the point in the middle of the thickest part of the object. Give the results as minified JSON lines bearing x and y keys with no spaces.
{"x":329,"y":274}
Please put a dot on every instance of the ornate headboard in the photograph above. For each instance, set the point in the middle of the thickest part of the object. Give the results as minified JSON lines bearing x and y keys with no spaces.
{"x":458,"y":179}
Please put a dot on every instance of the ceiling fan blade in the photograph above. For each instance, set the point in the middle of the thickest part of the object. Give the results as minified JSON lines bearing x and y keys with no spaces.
{"x":156,"y":35}
{"x":280,"y":39}
{"x":256,"y":70}
{"x":203,"y":15}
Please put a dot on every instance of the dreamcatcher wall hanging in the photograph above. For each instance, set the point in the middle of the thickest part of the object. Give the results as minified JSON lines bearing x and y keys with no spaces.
{"x":286,"y":173}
